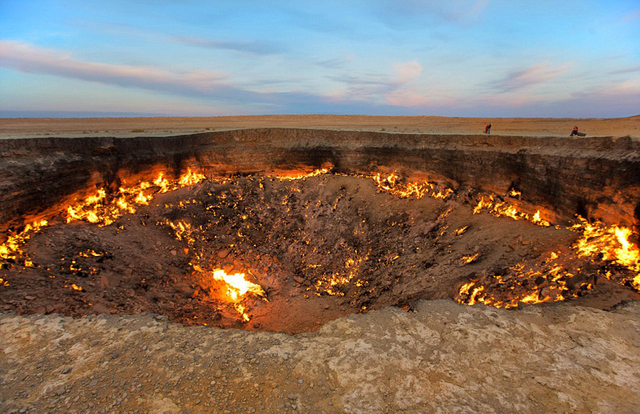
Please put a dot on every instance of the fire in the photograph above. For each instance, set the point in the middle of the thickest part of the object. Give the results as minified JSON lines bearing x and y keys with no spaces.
{"x":548,"y":282}
{"x":503,"y":209}
{"x":11,"y":248}
{"x":103,"y":209}
{"x":522,"y":284}
{"x":392,"y":183}
{"x":470,"y":259}
{"x":237,"y":287}
{"x":301,"y":176}
{"x":612,"y":244}
{"x":331,"y":283}
{"x":190,"y":178}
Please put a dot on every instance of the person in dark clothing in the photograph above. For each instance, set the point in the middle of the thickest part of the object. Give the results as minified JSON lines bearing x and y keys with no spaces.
{"x":576,"y":133}
{"x":487,"y":129}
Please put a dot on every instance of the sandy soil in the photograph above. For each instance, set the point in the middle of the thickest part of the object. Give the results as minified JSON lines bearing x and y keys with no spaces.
{"x":441,"y":358}
{"x":130,"y":127}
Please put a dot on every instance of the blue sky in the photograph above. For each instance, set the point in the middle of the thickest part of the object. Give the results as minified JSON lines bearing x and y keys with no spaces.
{"x":486,"y":58}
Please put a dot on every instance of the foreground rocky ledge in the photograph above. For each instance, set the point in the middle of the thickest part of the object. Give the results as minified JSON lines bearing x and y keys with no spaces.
{"x":442,"y":357}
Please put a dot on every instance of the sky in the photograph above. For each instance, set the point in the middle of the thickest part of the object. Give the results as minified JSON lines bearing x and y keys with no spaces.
{"x":472,"y":58}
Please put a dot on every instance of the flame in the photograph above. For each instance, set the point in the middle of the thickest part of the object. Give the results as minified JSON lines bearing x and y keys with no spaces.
{"x":290,"y":176}
{"x":12,"y":247}
{"x":504,"y":209}
{"x":470,"y":259}
{"x":103,"y":209}
{"x":237,"y":286}
{"x":392,"y":184}
{"x":331,"y":283}
{"x":611,"y":243}
{"x":190,"y":178}
{"x":461,"y":230}
{"x":548,"y":282}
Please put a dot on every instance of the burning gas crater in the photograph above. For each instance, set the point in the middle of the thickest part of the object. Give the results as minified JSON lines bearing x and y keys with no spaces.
{"x":289,"y":252}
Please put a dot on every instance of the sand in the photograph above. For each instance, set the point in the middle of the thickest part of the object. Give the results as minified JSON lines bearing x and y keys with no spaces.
{"x":162,"y":126}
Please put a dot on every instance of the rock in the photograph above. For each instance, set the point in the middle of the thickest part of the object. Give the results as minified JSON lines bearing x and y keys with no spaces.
{"x":66,"y":370}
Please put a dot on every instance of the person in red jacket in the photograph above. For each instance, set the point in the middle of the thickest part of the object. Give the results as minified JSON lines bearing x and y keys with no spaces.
{"x":487,"y":129}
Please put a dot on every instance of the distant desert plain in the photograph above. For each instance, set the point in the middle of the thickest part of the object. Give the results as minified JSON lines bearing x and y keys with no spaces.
{"x":163,"y":126}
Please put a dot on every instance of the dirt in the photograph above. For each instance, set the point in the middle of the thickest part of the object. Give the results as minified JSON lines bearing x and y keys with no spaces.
{"x":131,"y":127}
{"x":441,"y":357}
{"x":321,"y":248}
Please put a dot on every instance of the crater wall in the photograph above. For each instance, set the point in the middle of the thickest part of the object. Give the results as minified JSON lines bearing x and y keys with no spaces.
{"x":595,"y":177}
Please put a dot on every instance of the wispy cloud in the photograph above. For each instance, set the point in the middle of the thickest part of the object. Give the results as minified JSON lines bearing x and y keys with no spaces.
{"x":626,"y":70}
{"x":28,"y":58}
{"x":258,"y":48}
{"x":533,"y":75}
{"x":202,"y":84}
{"x":126,"y":30}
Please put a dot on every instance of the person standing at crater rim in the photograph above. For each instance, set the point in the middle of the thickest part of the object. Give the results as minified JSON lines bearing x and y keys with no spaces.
{"x":487,"y":129}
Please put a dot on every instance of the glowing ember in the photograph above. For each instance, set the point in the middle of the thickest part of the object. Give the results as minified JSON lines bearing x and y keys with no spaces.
{"x":522,"y":284}
{"x":470,"y":259}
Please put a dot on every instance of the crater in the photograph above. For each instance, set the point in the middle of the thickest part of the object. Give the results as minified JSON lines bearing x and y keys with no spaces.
{"x":284,"y":230}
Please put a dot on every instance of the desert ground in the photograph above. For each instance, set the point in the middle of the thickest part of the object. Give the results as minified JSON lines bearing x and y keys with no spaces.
{"x":125,"y":127}
{"x":140,"y":337}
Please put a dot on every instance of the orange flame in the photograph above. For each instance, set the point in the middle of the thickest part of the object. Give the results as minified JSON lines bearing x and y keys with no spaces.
{"x":297,"y":176}
{"x":392,"y":184}
{"x":504,"y":209}
{"x":611,"y":243}
{"x":104,"y":209}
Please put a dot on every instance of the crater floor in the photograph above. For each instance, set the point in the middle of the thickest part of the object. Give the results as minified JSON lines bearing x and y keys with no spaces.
{"x":319,"y":247}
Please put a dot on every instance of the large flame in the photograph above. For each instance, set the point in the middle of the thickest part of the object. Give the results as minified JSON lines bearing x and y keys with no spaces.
{"x":611,"y":243}
{"x":237,"y":285}
{"x":236,"y":289}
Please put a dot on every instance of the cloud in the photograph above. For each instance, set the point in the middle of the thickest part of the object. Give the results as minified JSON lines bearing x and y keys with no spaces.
{"x":626,"y":70}
{"x":200,"y":84}
{"x":127,"y":30}
{"x":533,"y":75}
{"x":258,"y":48}
{"x":407,"y":71}
{"x":27,"y":58}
